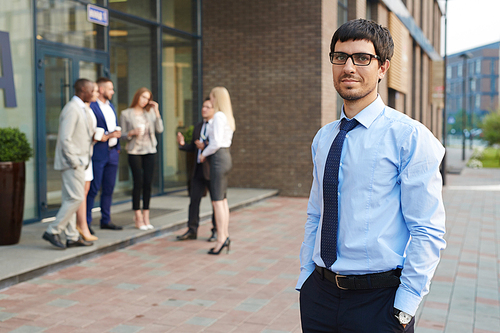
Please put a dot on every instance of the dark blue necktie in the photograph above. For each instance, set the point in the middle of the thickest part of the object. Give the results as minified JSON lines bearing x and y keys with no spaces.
{"x":330,"y":195}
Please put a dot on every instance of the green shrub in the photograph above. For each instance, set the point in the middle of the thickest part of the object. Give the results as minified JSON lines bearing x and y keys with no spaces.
{"x":14,"y":146}
{"x":188,"y":134}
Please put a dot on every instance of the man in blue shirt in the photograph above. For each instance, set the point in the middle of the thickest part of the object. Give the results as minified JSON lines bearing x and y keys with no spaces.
{"x":375,"y":224}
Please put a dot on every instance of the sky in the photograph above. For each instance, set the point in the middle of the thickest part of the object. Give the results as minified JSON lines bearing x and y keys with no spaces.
{"x":471,"y":23}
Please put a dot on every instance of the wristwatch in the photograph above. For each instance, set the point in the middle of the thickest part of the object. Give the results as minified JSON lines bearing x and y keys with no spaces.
{"x":403,"y":317}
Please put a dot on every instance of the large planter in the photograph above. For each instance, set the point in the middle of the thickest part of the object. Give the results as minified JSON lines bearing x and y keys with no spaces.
{"x":12,"y":181}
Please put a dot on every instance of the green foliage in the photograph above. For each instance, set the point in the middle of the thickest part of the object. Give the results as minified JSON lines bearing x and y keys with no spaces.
{"x":188,"y":134}
{"x":14,"y":146}
{"x":457,"y":126}
{"x":490,"y":158}
{"x":491,"y":128}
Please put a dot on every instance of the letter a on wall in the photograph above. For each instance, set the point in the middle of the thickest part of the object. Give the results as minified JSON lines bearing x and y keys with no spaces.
{"x":7,"y":78}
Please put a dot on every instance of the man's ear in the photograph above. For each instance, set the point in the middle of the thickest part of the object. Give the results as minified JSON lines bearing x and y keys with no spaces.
{"x":382,"y":70}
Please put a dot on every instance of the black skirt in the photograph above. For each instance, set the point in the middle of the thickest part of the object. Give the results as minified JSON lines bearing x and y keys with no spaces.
{"x":220,"y":165}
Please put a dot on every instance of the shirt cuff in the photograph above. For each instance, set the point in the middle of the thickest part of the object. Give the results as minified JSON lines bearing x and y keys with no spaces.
{"x":305,"y":272}
{"x":406,"y":301}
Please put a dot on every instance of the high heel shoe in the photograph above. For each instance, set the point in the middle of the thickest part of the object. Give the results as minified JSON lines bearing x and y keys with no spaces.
{"x":227,"y":244}
{"x":142,"y":226}
{"x":90,"y":238}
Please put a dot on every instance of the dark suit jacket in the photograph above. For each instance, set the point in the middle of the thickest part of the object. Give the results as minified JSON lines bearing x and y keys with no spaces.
{"x":191,"y":147}
{"x":101,"y":149}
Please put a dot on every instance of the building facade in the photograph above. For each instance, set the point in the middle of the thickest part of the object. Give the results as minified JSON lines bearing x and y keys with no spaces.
{"x":478,"y":69}
{"x":271,"y":55}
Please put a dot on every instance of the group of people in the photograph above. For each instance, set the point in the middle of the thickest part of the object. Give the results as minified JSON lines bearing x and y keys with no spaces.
{"x":87,"y":154}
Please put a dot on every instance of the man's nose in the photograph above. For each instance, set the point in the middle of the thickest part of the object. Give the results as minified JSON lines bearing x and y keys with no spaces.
{"x":349,"y":65}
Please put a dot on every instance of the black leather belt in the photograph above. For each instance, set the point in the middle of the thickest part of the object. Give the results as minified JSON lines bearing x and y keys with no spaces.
{"x":359,"y":282}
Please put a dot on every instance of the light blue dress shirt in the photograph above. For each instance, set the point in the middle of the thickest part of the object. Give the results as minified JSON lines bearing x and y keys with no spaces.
{"x":391,"y":212}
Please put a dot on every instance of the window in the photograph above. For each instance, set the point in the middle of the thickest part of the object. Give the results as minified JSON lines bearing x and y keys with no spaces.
{"x":478,"y":101}
{"x":448,"y":72}
{"x":460,"y":70}
{"x":472,"y":85}
{"x":342,"y":12}
{"x":66,"y":22}
{"x":478,"y":66}
{"x":142,"y":8}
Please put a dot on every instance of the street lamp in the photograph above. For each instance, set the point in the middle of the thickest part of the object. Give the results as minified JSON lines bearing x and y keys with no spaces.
{"x":465,"y":56}
{"x":445,"y":90}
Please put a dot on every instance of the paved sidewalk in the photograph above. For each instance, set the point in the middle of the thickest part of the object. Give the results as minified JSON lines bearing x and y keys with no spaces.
{"x":163,"y":285}
{"x":33,"y":256}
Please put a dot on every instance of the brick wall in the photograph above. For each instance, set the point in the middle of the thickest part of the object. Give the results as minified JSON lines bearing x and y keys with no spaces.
{"x":267,"y":53}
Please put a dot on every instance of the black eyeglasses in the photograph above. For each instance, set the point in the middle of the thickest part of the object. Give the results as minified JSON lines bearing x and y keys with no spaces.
{"x":358,"y":59}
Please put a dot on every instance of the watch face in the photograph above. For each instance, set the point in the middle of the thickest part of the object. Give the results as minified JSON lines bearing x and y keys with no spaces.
{"x":404,"y":318}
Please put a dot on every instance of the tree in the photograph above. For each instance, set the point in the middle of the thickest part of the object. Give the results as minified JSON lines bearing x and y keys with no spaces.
{"x":491,"y":128}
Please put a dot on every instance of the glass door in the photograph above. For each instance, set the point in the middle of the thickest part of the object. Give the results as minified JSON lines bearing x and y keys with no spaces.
{"x":56,"y":73}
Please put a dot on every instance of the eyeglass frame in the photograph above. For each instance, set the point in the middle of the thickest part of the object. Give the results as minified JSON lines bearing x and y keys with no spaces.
{"x":352,"y":59}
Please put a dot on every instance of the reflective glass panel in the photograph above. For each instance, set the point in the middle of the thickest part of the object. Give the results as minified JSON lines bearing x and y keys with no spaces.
{"x":65,"y":21}
{"x":130,"y":69}
{"x":177,"y":106}
{"x":58,"y":92}
{"x":142,"y":8}
{"x":178,"y":14}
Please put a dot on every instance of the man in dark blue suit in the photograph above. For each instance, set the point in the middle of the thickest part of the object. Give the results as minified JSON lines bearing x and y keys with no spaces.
{"x":105,"y":157}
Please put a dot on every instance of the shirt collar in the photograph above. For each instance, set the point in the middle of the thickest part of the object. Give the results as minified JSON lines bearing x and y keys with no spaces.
{"x":368,"y":115}
{"x":101,"y":103}
{"x":78,"y":100}
{"x":210,"y":121}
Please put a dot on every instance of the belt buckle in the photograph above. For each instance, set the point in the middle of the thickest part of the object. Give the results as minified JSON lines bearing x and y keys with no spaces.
{"x":337,"y":281}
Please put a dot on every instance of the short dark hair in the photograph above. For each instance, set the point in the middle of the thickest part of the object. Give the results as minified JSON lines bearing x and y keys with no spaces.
{"x":102,"y":80}
{"x":80,"y":85}
{"x":361,"y":29}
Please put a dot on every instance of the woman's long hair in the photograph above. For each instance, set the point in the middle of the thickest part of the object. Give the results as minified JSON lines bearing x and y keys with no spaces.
{"x":223,"y":103}
{"x":138,"y":94}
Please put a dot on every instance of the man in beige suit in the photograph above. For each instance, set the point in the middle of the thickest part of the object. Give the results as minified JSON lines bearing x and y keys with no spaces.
{"x":73,"y":150}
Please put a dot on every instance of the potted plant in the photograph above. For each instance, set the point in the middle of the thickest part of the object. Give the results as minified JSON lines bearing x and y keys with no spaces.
{"x":15,"y":150}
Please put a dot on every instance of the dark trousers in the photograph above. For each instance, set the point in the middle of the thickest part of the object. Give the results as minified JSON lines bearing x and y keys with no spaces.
{"x":326,"y":308}
{"x":198,"y":187}
{"x":142,"y":167}
{"x":105,"y":179}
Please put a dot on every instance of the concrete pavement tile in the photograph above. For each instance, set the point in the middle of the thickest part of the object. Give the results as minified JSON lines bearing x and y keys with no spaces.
{"x":225,"y":272}
{"x":6,"y":315}
{"x":63,"y":291}
{"x":62,"y":303}
{"x":126,"y":329}
{"x":178,"y":286}
{"x":201,"y":321}
{"x":256,"y":268}
{"x":28,"y":329}
{"x":458,"y":327}
{"x":89,"y":281}
{"x":259,"y":281}
{"x":128,"y":286}
{"x":174,"y":302}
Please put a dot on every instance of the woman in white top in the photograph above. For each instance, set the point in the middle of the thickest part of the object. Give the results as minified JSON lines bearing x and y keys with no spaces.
{"x":140,"y":123}
{"x":220,"y":135}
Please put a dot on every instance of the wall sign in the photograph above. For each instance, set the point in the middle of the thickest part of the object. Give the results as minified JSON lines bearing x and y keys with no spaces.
{"x":97,"y":15}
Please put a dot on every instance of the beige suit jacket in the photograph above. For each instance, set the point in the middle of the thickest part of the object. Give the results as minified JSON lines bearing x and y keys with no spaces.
{"x":74,"y":139}
{"x":127,"y":123}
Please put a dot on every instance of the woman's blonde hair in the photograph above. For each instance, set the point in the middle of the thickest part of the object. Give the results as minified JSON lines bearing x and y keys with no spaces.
{"x":138,"y":94}
{"x":223,"y":103}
